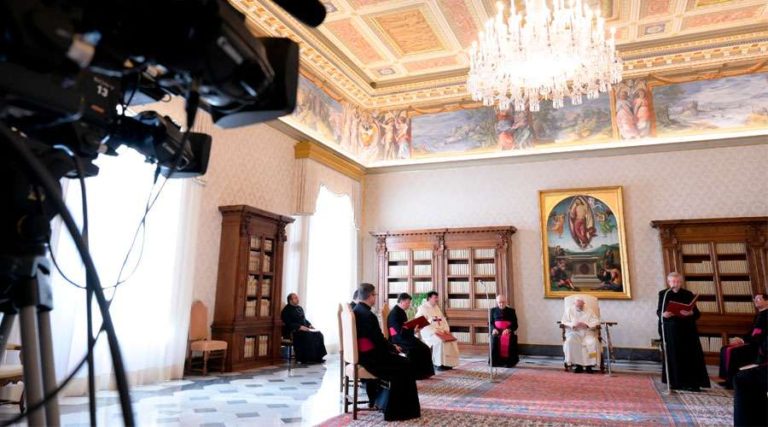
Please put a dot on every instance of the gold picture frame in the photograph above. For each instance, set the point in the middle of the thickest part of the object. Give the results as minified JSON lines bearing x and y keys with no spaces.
{"x":583,"y":242}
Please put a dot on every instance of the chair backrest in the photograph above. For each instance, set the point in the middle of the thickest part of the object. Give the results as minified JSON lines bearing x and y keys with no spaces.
{"x":384,"y":318}
{"x":589,"y":301}
{"x":198,"y":322}
{"x":341,"y":333}
{"x":349,"y":335}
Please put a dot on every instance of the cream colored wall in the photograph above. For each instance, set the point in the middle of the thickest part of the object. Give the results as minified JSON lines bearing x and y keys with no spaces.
{"x":720,"y":182}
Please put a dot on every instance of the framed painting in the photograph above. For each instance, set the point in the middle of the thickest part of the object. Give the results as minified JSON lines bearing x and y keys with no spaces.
{"x":584,"y":243}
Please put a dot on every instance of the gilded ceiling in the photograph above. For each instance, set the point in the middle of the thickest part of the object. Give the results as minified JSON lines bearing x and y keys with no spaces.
{"x":399,"y":53}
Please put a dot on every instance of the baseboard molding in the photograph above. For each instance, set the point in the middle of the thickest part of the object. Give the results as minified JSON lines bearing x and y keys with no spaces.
{"x":621,"y":353}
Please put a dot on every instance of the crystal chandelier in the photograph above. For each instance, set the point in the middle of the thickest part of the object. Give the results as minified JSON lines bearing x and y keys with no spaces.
{"x":543,"y":55}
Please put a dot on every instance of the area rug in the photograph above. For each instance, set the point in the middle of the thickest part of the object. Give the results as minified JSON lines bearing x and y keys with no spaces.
{"x":549,"y":397}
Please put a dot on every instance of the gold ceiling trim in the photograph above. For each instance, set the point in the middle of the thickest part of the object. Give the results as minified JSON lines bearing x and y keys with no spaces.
{"x":328,"y":69}
{"x":330,"y":158}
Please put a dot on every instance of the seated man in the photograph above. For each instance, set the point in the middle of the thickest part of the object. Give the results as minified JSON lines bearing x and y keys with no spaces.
{"x":418,"y":353}
{"x":581,"y":344}
{"x":307,"y":341}
{"x":503,"y":324}
{"x":445,"y":354}
{"x":744,"y":351}
{"x":381,"y":359}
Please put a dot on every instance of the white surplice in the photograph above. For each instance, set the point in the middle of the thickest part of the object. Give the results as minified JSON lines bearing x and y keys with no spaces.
{"x":443,"y":353}
{"x":581,"y":345}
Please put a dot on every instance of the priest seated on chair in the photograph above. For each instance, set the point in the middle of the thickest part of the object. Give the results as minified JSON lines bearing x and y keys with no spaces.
{"x":581,"y":346}
{"x":307,"y":341}
{"x":445,"y":354}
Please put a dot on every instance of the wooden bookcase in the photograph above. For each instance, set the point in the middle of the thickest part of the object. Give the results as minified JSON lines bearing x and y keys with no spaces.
{"x":468,"y":267}
{"x":248,"y":291}
{"x":724,"y":262}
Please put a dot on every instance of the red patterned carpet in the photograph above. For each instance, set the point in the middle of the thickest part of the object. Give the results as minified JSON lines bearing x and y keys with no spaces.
{"x":543,"y":397}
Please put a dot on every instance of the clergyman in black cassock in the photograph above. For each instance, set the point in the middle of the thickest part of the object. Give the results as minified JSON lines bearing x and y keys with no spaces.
{"x":308,"y":342}
{"x":747,"y":349}
{"x":418,"y":353}
{"x":380,"y":358}
{"x":503,"y":344}
{"x":685,"y":358}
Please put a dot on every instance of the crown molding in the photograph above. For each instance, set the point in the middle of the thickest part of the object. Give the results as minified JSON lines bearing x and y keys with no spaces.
{"x":332,"y":159}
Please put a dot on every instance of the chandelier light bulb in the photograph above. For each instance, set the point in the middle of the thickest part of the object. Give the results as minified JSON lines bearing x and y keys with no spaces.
{"x":543,"y":54}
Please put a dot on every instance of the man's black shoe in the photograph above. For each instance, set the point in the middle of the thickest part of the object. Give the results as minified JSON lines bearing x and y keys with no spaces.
{"x":579,"y":369}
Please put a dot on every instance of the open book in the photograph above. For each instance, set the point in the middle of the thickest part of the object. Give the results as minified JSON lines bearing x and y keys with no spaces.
{"x":445,"y":336}
{"x":420,"y":322}
{"x":676,"y":307}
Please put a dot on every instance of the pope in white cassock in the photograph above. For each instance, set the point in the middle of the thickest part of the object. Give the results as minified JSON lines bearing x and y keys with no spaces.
{"x":445,"y":355}
{"x":581,"y":343}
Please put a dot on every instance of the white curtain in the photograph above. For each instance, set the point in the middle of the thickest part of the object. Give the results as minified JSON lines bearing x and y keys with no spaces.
{"x":331,"y":263}
{"x":151,"y":310}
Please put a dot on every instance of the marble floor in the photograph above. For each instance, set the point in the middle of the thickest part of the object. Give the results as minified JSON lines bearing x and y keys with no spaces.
{"x":271,"y":396}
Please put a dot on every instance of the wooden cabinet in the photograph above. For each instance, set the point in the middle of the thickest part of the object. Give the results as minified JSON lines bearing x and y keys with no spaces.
{"x":248,"y":291}
{"x":468,"y":267}
{"x":723,"y":260}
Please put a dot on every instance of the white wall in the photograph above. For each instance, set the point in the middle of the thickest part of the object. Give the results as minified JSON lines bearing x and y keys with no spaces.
{"x":719,"y":182}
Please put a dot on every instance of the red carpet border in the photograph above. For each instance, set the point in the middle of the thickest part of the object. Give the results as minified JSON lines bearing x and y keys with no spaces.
{"x":548,"y":397}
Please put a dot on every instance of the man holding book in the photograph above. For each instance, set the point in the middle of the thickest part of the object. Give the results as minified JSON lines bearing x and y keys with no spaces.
{"x":749,"y":349}
{"x":677,"y":314}
{"x":401,"y":332}
{"x":437,"y":335}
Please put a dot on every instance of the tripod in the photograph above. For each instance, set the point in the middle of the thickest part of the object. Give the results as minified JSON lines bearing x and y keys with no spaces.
{"x":33,"y":170}
{"x":30,"y":290}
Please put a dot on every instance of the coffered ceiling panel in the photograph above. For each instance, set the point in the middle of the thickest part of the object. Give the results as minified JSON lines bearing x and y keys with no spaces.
{"x":385,"y":53}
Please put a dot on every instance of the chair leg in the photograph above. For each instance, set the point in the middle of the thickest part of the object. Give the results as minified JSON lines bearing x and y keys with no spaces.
{"x":223,"y":360}
{"x":22,"y":403}
{"x":354,"y":398}
{"x":205,"y":362}
{"x":341,"y":371}
{"x":346,"y":395}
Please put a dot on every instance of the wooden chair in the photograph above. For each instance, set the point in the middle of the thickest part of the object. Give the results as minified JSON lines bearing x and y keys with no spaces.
{"x":12,"y":374}
{"x":591,"y":303}
{"x":353,"y":372}
{"x":200,"y":341}
{"x":384,"y":317}
{"x":288,"y":342}
{"x":341,"y":346}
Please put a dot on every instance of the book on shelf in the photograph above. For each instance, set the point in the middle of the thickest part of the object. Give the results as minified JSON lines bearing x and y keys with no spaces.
{"x":458,"y":287}
{"x":485,"y":303}
{"x":249,"y":348}
{"x":482,"y":287}
{"x":675,"y":307}
{"x":252,"y":286}
{"x":423,"y":286}
{"x":481,"y":337}
{"x":397,"y":256}
{"x":701,"y":287}
{"x":458,"y":269}
{"x":267,"y":266}
{"x":264,"y":308}
{"x":731,"y":248}
{"x":419,"y":322}
{"x":703,"y":267}
{"x":485,"y":253}
{"x":263,"y":344}
{"x":422,"y":255}
{"x":485,"y":269}
{"x":458,"y":302}
{"x":458,"y":253}
{"x":254,"y":261}
{"x":267,"y":245}
{"x":250,"y":308}
{"x":707,"y":306}
{"x":733,"y":267}
{"x":695,"y":248}
{"x":740,"y":287}
{"x":255,"y":242}
{"x":422,"y":270}
{"x":398,"y":270}
{"x":739,"y":307}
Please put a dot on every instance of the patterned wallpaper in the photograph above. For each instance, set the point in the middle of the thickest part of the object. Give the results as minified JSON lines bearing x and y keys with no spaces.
{"x":720,"y":182}
{"x":252,"y":165}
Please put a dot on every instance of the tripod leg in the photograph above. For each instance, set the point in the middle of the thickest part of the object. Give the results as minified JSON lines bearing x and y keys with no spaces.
{"x":49,"y":369}
{"x":33,"y":381}
{"x":5,"y":331}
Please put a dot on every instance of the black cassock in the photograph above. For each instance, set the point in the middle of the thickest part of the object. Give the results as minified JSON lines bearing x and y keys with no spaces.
{"x":381,"y":360}
{"x":684,"y":355}
{"x":309,"y":345}
{"x":503,"y":349}
{"x":733,"y":357}
{"x":418,"y":353}
{"x":750,"y":403}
